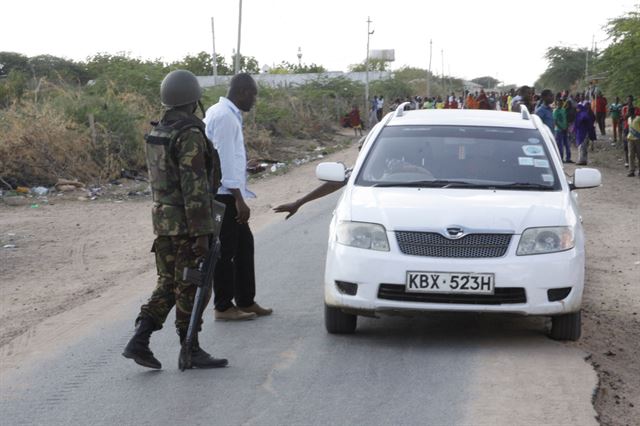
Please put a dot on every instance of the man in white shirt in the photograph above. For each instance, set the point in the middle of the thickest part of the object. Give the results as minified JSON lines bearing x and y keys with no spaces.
{"x":234,"y":275}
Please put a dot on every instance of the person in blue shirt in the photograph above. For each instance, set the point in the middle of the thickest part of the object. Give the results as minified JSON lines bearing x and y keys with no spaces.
{"x":544,"y":111}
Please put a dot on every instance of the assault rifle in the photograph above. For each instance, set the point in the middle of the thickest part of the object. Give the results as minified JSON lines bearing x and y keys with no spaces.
{"x":202,"y":277}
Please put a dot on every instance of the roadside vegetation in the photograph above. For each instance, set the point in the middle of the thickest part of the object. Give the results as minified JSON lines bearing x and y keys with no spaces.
{"x":85,"y":120}
{"x":615,"y":68}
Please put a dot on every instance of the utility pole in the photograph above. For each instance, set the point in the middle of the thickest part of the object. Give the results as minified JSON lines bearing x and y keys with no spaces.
{"x":213,"y":57}
{"x":366,"y":77}
{"x":442,"y":74}
{"x":429,"y":71}
{"x":299,"y":57}
{"x":586,"y":66}
{"x":237,"y":65}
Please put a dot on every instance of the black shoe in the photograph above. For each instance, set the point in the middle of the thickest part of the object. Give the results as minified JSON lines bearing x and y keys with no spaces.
{"x":199,"y":357}
{"x":569,"y":161}
{"x":138,"y":347}
{"x":631,"y":174}
{"x":581,"y":163}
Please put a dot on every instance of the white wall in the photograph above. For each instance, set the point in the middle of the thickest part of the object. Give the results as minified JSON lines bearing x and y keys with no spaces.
{"x":283,"y":80}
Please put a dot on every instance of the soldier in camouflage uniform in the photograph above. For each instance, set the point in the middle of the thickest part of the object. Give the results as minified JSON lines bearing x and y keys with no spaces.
{"x":181,"y":163}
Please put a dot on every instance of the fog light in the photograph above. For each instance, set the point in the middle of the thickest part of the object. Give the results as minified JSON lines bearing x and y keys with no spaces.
{"x":347,"y":288}
{"x":555,"y":294}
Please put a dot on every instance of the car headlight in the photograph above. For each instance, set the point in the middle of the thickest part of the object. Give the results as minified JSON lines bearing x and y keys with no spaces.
{"x":546,"y":240}
{"x":363,"y":235}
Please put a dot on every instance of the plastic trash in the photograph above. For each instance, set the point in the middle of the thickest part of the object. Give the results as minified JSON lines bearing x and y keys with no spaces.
{"x":39,"y":190}
{"x":9,"y":246}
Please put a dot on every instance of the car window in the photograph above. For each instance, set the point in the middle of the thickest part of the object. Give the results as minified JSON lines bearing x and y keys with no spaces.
{"x":459,"y":156}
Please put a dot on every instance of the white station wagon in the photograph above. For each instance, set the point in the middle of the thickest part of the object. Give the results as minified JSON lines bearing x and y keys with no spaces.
{"x":456,"y":210}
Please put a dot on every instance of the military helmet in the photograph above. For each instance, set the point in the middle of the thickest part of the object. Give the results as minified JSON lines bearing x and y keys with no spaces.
{"x":180,"y":87}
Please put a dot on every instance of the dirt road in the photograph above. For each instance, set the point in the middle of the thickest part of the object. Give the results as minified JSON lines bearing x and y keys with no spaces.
{"x":70,"y":253}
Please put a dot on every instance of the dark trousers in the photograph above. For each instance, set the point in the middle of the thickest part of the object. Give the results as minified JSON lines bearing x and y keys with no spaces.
{"x":562,"y":140}
{"x":600,"y":116}
{"x":234,"y":276}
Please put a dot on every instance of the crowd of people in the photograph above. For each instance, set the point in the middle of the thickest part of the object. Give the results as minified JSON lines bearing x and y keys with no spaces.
{"x":577,"y":118}
{"x":571,"y":117}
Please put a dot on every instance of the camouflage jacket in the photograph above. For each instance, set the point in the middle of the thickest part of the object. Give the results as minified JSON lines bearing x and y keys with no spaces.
{"x":180,"y":163}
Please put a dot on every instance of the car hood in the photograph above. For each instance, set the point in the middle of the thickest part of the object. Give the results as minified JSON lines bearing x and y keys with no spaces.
{"x":435,"y":209}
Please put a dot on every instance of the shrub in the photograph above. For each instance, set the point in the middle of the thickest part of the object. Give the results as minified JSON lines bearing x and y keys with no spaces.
{"x":39,"y":144}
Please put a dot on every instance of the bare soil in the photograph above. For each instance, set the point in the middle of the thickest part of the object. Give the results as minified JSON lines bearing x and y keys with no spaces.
{"x":71,"y":251}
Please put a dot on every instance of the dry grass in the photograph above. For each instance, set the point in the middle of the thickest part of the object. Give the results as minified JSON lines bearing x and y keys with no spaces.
{"x":39,"y":144}
{"x":61,"y":131}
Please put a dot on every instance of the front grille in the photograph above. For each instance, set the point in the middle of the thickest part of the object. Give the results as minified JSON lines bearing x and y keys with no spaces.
{"x":432,"y":244}
{"x":502,"y":295}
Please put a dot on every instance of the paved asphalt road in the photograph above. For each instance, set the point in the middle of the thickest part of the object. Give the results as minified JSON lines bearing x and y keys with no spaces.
{"x":442,"y":369}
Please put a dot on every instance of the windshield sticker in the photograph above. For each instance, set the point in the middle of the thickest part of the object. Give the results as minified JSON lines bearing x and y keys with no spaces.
{"x":547,"y":178}
{"x":525,"y":161}
{"x":541,"y":163}
{"x":533,"y":150}
{"x":533,"y":140}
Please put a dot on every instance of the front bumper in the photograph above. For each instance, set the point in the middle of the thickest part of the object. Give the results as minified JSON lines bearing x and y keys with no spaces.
{"x":535,"y":274}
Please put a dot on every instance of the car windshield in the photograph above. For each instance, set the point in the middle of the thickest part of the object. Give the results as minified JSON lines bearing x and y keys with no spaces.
{"x":459,"y":157}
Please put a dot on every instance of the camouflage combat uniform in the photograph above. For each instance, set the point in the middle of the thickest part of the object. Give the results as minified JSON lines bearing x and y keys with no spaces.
{"x":182,"y":180}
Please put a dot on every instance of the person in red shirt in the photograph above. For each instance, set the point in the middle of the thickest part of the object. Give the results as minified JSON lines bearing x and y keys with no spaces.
{"x":601,"y":111}
{"x":483,"y":101}
{"x":354,"y":120}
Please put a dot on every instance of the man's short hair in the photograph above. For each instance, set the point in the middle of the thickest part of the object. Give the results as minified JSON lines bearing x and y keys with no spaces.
{"x":241,"y":82}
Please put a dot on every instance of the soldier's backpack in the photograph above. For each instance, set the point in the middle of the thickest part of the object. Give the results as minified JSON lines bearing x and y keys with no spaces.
{"x":160,"y":142}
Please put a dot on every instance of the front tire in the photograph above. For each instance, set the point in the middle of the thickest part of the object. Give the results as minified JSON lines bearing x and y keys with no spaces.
{"x":337,"y":322}
{"x":566,"y":327}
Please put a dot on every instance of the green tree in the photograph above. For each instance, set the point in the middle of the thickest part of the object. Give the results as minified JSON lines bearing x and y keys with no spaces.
{"x":621,"y":59}
{"x":56,"y":68}
{"x":374,"y":65}
{"x":121,"y":73}
{"x":285,"y":67}
{"x":13,"y":61}
{"x":201,"y":64}
{"x":12,"y":87}
{"x":566,"y":67}
{"x":487,"y":82}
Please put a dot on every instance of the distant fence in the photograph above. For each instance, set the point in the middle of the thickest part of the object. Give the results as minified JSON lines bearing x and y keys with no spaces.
{"x":285,"y":80}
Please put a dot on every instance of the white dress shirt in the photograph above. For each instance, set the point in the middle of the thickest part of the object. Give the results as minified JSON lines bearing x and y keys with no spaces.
{"x":224,"y":128}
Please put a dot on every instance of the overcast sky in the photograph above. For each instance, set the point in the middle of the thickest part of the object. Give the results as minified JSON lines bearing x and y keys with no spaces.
{"x":502,"y":38}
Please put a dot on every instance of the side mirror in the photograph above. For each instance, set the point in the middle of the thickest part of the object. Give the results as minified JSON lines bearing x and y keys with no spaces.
{"x":332,"y":172}
{"x":586,"y":178}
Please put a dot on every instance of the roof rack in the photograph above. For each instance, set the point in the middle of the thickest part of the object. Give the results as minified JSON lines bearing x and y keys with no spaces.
{"x":525,"y":112}
{"x":399,"y":112}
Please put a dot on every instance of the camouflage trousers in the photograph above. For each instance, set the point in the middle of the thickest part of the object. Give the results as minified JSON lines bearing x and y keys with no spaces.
{"x":173,"y":254}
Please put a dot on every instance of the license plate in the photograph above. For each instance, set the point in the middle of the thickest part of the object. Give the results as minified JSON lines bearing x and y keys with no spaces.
{"x":449,"y":282}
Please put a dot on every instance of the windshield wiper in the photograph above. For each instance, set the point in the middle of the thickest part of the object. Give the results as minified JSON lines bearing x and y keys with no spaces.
{"x":438,"y":183}
{"x":524,"y":185}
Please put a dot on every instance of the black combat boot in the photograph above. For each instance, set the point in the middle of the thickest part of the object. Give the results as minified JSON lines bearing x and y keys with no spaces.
{"x":199,"y":357}
{"x":138,"y":347}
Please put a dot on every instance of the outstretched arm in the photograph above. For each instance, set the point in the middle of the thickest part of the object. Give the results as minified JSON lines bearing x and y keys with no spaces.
{"x":324,"y":189}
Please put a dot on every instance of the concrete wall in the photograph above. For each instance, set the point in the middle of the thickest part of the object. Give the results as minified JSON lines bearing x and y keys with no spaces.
{"x":284,"y":80}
